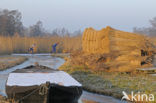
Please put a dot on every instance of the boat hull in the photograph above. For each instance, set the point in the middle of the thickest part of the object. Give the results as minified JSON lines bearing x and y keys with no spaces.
{"x":55,"y":94}
{"x":40,"y":84}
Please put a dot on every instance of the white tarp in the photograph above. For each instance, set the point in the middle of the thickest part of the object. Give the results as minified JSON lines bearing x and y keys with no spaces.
{"x":30,"y":79}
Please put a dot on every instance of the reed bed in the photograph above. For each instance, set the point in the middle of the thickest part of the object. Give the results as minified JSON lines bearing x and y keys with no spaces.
{"x":17,"y":44}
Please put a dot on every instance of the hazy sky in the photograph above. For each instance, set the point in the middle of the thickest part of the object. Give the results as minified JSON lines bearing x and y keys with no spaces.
{"x":79,"y":14}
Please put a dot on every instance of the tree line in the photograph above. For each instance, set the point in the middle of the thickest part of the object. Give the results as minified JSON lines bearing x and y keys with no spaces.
{"x":11,"y":24}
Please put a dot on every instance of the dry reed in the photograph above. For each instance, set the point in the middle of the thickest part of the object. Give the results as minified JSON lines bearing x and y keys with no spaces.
{"x":17,"y":44}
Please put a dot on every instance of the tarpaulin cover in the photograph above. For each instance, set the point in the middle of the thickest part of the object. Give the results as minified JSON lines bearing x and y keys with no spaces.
{"x":30,"y":79}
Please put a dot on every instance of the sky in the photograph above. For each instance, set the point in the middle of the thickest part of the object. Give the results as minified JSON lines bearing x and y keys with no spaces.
{"x":80,"y":14}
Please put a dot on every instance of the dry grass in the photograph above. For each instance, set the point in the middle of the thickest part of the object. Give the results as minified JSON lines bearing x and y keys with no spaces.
{"x":3,"y":100}
{"x":10,"y":61}
{"x":87,"y":101}
{"x":153,"y":40}
{"x":61,"y":55}
{"x":18,"y":44}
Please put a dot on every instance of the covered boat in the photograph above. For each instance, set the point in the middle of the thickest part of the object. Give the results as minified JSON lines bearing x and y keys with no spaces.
{"x":40,"y":84}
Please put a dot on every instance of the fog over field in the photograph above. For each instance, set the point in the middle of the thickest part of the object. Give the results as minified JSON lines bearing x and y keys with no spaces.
{"x":79,"y":14}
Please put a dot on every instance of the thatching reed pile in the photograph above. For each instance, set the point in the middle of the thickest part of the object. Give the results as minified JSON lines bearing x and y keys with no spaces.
{"x":116,"y":50}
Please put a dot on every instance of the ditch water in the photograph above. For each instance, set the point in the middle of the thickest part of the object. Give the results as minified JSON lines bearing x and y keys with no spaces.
{"x":52,"y":62}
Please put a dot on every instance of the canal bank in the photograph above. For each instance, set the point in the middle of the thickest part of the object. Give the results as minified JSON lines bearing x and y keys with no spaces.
{"x":8,"y":61}
{"x":111,"y":83}
{"x":53,"y":62}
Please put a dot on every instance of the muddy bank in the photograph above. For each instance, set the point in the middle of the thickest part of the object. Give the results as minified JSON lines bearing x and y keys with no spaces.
{"x":10,"y":61}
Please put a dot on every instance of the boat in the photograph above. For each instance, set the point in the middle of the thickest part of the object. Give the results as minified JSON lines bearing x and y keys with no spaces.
{"x":41,"y":84}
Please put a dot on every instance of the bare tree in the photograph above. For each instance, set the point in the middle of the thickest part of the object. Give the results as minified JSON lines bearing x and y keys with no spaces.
{"x":151,"y":31}
{"x":10,"y":22}
{"x":37,"y":29}
{"x":60,"y":32}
